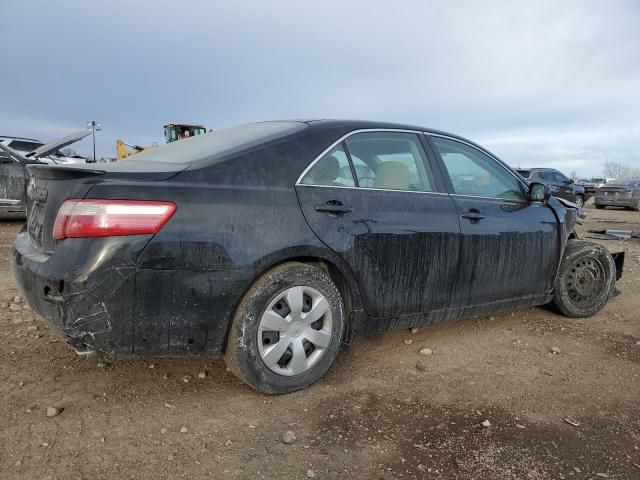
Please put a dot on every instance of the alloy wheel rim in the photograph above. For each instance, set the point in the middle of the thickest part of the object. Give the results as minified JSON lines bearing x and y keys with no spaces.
{"x":295,"y":330}
{"x":585,"y":281}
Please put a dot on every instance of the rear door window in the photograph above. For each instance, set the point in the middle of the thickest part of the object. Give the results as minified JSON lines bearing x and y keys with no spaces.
{"x":390,"y":161}
{"x":332,"y":170}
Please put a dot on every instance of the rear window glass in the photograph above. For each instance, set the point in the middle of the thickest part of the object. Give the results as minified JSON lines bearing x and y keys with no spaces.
{"x":218,"y":143}
{"x":23,"y":146}
{"x":524,"y":173}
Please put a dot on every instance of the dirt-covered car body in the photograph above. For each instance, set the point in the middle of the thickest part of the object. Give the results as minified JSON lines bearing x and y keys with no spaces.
{"x":410,"y":243}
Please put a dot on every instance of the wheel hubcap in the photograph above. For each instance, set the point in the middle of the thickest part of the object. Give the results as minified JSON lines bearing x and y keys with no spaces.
{"x":295,"y":330}
{"x":585,"y":281}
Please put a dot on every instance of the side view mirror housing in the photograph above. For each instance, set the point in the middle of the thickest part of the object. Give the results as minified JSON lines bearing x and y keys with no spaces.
{"x":539,"y":192}
{"x":570,"y":181}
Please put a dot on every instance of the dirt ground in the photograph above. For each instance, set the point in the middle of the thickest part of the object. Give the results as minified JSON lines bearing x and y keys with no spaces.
{"x":375,"y":415}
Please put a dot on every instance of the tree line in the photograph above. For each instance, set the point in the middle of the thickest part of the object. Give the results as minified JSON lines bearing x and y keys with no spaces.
{"x":618,"y":171}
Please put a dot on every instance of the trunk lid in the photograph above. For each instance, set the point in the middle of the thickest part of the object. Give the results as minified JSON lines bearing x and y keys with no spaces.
{"x":50,"y":185}
{"x":615,"y":192}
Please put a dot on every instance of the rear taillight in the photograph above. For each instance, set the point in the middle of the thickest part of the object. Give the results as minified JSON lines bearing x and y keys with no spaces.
{"x":108,"y":218}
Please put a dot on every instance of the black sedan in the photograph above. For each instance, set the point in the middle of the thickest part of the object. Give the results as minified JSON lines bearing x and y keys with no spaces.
{"x":273,"y":243}
{"x":619,"y":193}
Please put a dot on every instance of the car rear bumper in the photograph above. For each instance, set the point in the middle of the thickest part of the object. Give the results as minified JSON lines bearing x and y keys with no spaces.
{"x":616,"y":202}
{"x":95,"y":295}
{"x":90,"y":309}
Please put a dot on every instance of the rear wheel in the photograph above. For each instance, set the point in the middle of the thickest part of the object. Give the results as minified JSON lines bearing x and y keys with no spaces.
{"x":636,"y":207}
{"x":586,"y":279}
{"x":287,"y":329}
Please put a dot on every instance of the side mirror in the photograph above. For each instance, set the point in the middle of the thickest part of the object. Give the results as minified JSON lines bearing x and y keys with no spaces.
{"x":539,"y":192}
{"x":570,"y":181}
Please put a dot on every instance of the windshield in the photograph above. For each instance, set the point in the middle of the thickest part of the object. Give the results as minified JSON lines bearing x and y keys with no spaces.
{"x":217,"y":144}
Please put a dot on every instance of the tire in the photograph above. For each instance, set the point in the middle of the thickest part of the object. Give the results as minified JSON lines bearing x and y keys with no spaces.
{"x":579,"y":201}
{"x":586,"y":279}
{"x":599,"y":207}
{"x":637,"y":207}
{"x":271,"y":351}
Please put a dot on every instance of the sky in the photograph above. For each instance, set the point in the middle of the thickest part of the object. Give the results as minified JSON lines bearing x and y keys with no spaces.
{"x":539,"y":83}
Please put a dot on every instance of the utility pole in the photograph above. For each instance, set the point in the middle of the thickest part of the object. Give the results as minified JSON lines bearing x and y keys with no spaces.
{"x":94,"y":126}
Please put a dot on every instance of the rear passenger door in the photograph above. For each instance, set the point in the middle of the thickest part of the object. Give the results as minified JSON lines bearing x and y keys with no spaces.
{"x":375,"y":201}
{"x":509,"y":248}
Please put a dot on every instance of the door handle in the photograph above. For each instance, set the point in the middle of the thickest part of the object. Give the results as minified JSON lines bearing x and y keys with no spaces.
{"x":335,"y":208}
{"x":473,"y":215}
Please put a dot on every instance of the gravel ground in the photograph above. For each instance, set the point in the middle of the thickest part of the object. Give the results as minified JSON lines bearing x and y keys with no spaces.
{"x":491,"y":401}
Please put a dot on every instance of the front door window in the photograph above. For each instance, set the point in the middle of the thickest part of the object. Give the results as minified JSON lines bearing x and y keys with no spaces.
{"x":475,"y":173}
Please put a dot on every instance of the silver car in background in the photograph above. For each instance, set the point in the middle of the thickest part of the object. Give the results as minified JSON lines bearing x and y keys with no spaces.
{"x":619,"y":193}
{"x":16,"y":153}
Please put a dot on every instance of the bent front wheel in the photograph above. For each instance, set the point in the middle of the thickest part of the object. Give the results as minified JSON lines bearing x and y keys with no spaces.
{"x":586,"y":279}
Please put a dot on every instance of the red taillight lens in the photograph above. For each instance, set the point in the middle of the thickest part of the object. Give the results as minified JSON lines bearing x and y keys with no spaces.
{"x":108,"y":218}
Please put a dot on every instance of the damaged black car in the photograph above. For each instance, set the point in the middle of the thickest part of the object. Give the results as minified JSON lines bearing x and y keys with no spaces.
{"x":273,"y":243}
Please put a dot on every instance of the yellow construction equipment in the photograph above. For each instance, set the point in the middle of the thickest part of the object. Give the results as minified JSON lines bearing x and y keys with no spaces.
{"x":172,"y":133}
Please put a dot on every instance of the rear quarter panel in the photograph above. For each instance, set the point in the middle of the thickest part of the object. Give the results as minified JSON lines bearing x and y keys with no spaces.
{"x":233,"y":221}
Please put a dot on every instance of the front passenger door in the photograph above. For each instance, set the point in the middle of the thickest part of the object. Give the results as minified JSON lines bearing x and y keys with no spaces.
{"x":509,"y":246}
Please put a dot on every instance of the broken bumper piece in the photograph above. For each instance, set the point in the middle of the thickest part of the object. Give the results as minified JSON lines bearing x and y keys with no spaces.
{"x":81,"y":307}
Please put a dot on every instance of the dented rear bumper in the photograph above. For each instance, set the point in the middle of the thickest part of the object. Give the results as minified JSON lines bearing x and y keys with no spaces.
{"x":96,"y":294}
{"x":86,"y":304}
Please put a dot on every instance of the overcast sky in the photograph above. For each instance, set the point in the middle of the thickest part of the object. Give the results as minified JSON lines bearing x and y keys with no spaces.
{"x":540,"y":83}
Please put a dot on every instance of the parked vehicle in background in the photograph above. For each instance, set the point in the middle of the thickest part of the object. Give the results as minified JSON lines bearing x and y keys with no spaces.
{"x":619,"y":193}
{"x":15,"y":154}
{"x":272,"y":243}
{"x":601,"y":182}
{"x":589,"y":186}
{"x":559,"y":184}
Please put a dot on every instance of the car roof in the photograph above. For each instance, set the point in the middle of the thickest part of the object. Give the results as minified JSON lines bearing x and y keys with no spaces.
{"x":22,"y":139}
{"x":538,"y":169}
{"x":350,"y":125}
{"x":369,"y":124}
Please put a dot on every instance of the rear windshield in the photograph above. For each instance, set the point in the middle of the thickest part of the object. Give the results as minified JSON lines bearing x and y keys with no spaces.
{"x":24,"y":146}
{"x":626,"y":183}
{"x":218,"y":143}
{"x":524,"y":173}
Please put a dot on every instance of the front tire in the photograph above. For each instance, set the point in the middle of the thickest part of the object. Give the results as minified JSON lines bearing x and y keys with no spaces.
{"x":287,"y":330}
{"x":586,"y":279}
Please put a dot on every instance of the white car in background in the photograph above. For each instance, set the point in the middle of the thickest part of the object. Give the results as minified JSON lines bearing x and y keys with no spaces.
{"x":29,"y":145}
{"x":15,"y":154}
